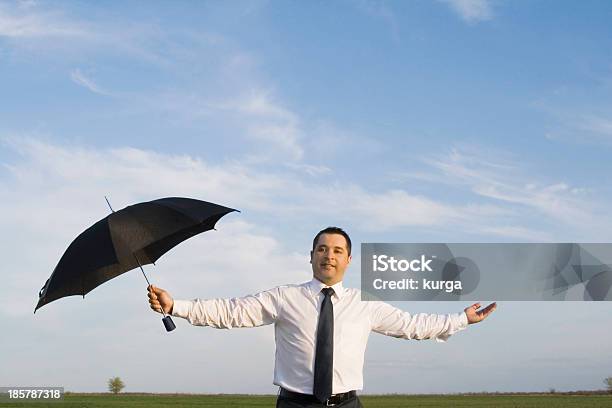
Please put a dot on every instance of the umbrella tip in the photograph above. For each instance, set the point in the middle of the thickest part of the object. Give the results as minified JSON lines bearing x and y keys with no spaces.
{"x":109,"y":204}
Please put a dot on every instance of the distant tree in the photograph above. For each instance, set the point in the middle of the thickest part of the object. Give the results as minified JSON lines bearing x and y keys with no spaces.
{"x":552,"y":390}
{"x":115,"y":385}
{"x":608,"y":382}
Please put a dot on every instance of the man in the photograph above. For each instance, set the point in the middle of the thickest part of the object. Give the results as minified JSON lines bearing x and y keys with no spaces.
{"x":321,"y":328}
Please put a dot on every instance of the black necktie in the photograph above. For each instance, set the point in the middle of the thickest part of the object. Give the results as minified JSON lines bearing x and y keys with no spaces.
{"x":324,"y":356}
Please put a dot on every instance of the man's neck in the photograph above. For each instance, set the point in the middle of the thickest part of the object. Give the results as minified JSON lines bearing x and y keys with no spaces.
{"x":330,"y":283}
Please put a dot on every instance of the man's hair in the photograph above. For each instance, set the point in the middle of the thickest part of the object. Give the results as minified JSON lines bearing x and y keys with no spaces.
{"x":333,"y":230}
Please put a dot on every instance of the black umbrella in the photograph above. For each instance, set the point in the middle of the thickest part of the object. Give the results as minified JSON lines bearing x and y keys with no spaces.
{"x":134,"y":236}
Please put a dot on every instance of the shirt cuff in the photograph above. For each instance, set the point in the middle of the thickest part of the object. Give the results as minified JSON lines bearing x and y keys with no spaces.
{"x":181,"y":308}
{"x":459,"y":322}
{"x":463,"y":321}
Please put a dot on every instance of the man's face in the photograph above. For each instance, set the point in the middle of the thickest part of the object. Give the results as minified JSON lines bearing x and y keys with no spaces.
{"x":330,"y":258}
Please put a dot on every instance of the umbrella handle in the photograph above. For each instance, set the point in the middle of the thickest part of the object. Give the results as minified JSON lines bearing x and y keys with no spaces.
{"x":168,"y":323}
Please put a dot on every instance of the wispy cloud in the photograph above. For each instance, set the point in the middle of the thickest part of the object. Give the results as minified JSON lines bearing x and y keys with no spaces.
{"x":273,"y":132}
{"x":80,"y":79}
{"x":25,"y":22}
{"x":504,"y":181}
{"x":273,"y":123}
{"x":46,"y":29}
{"x":381,"y":10}
{"x":271,"y":191}
{"x":598,"y":125}
{"x":49,"y":169}
{"x":589,"y":124}
{"x":310,"y":169}
{"x":471,"y":11}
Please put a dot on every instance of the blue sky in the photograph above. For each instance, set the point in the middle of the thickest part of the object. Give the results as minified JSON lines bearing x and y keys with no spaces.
{"x":422,"y":121}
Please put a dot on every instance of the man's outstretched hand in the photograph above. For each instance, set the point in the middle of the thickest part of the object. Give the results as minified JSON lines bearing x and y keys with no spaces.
{"x":159,"y":298}
{"x":474,"y":315}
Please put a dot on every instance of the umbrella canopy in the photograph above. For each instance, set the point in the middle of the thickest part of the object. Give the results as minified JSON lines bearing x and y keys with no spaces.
{"x":136,"y":235}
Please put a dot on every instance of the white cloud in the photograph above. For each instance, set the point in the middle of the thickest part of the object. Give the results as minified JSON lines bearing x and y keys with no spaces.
{"x":471,"y":11}
{"x":25,"y":22}
{"x":80,"y":79}
{"x":47,"y":30}
{"x":310,"y":169}
{"x":590,"y":125}
{"x":502,"y":180}
{"x":269,"y":122}
{"x":126,"y":174}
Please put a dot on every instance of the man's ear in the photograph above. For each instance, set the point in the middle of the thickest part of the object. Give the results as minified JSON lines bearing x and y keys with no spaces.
{"x":310,"y":257}
{"x":350,"y":258}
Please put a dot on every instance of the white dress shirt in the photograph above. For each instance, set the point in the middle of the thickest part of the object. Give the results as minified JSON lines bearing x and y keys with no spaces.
{"x":294,"y":310}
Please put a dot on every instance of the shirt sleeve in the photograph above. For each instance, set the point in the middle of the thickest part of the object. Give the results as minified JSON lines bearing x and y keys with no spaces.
{"x":391,"y":321}
{"x":249,"y":311}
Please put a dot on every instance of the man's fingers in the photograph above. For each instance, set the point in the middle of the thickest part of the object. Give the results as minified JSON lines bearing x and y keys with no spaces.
{"x":476,"y":306}
{"x":156,"y":306}
{"x":487,"y":310}
{"x":490,"y":309}
{"x":154,"y":293}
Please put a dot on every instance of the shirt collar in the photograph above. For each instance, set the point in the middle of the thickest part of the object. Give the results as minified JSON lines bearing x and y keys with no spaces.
{"x":316,"y":286}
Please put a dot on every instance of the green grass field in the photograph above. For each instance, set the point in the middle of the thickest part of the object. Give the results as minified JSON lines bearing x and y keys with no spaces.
{"x":387,"y":401}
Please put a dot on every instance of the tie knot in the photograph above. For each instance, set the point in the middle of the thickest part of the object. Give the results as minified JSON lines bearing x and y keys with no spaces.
{"x":327,"y":291}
